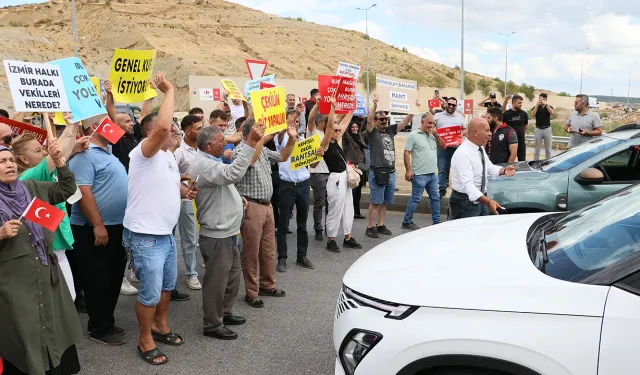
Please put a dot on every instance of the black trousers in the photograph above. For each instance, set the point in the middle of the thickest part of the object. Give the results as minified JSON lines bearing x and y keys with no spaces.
{"x":101,"y":270}
{"x":357,"y":194}
{"x":522,"y":143}
{"x":462,"y":207}
{"x":290,"y":194}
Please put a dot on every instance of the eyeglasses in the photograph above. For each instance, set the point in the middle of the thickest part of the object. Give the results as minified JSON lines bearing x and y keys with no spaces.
{"x":8,"y":138}
{"x":452,"y":104}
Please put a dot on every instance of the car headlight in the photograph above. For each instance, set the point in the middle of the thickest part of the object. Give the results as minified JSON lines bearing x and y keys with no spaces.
{"x":394,"y":310}
{"x":356,"y":345}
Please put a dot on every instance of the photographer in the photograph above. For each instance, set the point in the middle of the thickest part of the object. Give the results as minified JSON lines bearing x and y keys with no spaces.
{"x":542,"y":113}
{"x":490,"y":101}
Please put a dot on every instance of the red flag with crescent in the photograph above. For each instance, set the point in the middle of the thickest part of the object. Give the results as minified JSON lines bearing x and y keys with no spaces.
{"x":43,"y":213}
{"x":110,"y":130}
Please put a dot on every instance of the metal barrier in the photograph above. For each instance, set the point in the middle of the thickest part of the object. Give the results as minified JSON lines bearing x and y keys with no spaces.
{"x":555,"y":139}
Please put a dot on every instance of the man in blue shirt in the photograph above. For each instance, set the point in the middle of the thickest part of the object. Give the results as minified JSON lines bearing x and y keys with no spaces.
{"x":96,"y":223}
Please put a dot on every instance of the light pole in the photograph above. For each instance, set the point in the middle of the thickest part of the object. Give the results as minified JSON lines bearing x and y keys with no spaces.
{"x":366,"y":25}
{"x":462,"y":54}
{"x":629,"y":90}
{"x":506,"y":58}
{"x":74,"y":27}
{"x":581,"y":65}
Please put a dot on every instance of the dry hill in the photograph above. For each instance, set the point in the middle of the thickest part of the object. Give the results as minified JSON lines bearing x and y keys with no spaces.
{"x":202,"y":37}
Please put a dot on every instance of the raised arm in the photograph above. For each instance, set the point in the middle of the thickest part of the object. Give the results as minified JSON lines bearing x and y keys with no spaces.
{"x":111,"y":104}
{"x":311,"y":121}
{"x":66,"y":141}
{"x":328,"y":131}
{"x":372,"y":113}
{"x":66,"y":186}
{"x":291,"y":142}
{"x":550,"y":109}
{"x":163,"y":121}
{"x":504,"y":104}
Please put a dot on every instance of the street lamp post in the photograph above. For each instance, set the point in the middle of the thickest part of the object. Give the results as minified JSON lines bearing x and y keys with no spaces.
{"x":506,"y":58}
{"x":74,"y":27}
{"x":581,"y":65}
{"x":366,"y":18}
{"x":629,"y":90}
{"x":462,"y":54}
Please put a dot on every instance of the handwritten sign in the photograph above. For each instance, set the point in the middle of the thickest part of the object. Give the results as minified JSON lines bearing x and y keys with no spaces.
{"x":270,"y":108}
{"x":130,"y":75}
{"x":36,"y":87}
{"x":304,"y":152}
{"x":254,"y":84}
{"x":232,"y":89}
{"x":348,"y":70}
{"x":344,"y":90}
{"x":84,"y":100}
{"x":451,"y":135}
{"x":20,"y":128}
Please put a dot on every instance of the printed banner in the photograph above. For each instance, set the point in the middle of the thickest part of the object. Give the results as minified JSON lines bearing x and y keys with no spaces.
{"x":304,"y":152}
{"x":206,"y":95}
{"x":468,"y":106}
{"x":344,"y":90}
{"x":451,"y":135}
{"x":232,"y":89}
{"x":36,"y":87}
{"x":97,"y":83}
{"x":21,"y":128}
{"x":348,"y":70}
{"x":130,"y":75}
{"x":58,"y":119}
{"x":84,"y":100}
{"x":396,"y":95}
{"x":361,"y":106}
{"x":216,"y":94}
{"x":270,"y":108}
{"x":255,"y":84}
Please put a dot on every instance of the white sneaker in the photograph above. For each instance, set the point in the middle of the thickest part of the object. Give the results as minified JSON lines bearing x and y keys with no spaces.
{"x":133,"y":277}
{"x":193,"y":283}
{"x":127,"y":289}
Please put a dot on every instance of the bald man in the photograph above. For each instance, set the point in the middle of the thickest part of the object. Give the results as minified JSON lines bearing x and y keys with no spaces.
{"x":5,"y":135}
{"x":470,"y":167}
{"x":128,"y":142}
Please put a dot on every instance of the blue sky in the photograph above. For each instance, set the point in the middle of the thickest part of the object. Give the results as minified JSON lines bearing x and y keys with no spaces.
{"x":542,"y":52}
{"x":5,"y":3}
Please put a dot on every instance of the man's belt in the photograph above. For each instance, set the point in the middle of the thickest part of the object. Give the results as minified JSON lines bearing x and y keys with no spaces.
{"x":283,"y":182}
{"x":264,"y":202}
{"x":543,"y":127}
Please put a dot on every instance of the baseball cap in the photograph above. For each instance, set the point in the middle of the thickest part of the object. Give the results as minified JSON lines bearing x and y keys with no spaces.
{"x":492,"y":95}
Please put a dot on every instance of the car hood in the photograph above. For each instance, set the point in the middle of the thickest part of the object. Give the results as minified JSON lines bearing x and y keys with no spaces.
{"x":524,"y":172}
{"x":477,"y":263}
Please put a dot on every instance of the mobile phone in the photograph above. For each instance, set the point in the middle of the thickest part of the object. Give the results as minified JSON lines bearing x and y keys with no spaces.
{"x":502,"y":210}
{"x":193,"y":184}
{"x":437,"y":91}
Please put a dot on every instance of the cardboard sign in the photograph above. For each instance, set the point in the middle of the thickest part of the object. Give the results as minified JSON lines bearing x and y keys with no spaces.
{"x":58,"y":119}
{"x":348,"y":70}
{"x":304,"y":152}
{"x":344,"y":90}
{"x":255,"y":84}
{"x":232,"y":89}
{"x":265,"y":85}
{"x":130,"y":75}
{"x":216,"y":94}
{"x":36,"y":87}
{"x":435,"y":103}
{"x":256,"y":68}
{"x":206,"y":95}
{"x":270,"y":108}
{"x":451,"y":135}
{"x":361,"y":106}
{"x":97,"y":83}
{"x":21,"y":128}
{"x":468,"y":106}
{"x":84,"y":99}
{"x":396,"y":95}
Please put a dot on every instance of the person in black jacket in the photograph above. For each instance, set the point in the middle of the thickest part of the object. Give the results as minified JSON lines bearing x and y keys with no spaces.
{"x":354,"y":146}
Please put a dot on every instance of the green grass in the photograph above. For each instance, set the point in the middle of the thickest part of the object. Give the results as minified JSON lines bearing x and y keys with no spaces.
{"x":557,"y":128}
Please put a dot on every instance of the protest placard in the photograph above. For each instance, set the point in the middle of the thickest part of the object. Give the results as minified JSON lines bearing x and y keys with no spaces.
{"x":361,"y":106}
{"x":269,"y":107}
{"x":304,"y":152}
{"x":206,"y":95}
{"x":451,"y":135}
{"x":254,"y":84}
{"x":97,"y":83}
{"x":468,"y":106}
{"x":344,"y":90}
{"x":232,"y":89}
{"x":216,"y":94}
{"x":84,"y":100}
{"x":36,"y":87}
{"x":130,"y":75}
{"x":396,"y":95}
{"x":348,"y":70}
{"x":20,"y":128}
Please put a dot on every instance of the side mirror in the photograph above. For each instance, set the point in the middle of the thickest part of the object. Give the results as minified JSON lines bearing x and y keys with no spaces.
{"x":590,"y":176}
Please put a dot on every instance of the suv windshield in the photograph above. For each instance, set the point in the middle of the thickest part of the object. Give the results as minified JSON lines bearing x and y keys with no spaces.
{"x":582,"y":243}
{"x":577,"y":155}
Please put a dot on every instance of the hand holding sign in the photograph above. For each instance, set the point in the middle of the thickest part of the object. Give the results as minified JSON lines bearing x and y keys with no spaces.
{"x":417,"y":103}
{"x":256,"y":134}
{"x":107,"y":86}
{"x":375,"y":98}
{"x":55,"y":152}
{"x":292,"y":131}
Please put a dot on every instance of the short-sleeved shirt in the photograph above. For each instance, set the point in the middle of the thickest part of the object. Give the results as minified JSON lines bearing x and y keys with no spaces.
{"x":98,"y":168}
{"x":322,"y":166}
{"x":123,"y":147}
{"x":515,"y":119}
{"x":543,"y":117}
{"x":63,"y":238}
{"x":488,"y":104}
{"x":503,"y":136}
{"x":256,"y":183}
{"x":446,"y":120}
{"x":382,"y":146}
{"x":285,"y":171}
{"x":424,"y":152}
{"x":335,"y":158}
{"x":588,"y":121}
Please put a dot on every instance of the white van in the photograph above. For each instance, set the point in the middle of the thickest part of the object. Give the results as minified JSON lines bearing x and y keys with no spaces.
{"x":594,"y":103}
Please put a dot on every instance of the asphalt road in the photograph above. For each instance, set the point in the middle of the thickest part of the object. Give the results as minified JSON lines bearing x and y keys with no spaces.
{"x":290,"y":335}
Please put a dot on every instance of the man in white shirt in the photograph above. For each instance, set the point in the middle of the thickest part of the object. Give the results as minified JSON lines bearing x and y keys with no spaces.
{"x":470,"y":168}
{"x":153,"y":207}
{"x":185,"y":154}
{"x":452,"y":121}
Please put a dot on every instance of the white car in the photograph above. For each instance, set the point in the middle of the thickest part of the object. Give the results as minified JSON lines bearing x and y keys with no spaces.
{"x":531,"y":294}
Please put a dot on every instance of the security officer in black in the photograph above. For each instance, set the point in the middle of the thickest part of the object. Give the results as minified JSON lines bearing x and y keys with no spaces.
{"x":504,"y":143}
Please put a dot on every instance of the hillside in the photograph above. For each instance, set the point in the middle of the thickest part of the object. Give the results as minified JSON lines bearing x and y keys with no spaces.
{"x":201,"y":37}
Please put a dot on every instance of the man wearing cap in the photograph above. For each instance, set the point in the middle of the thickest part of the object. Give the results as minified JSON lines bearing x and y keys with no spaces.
{"x":490,"y":101}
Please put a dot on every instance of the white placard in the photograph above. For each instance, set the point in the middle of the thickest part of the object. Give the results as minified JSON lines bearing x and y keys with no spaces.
{"x":206,"y":95}
{"x":36,"y":87}
{"x":397,"y":107}
{"x":403,"y":96}
{"x":348,"y":70}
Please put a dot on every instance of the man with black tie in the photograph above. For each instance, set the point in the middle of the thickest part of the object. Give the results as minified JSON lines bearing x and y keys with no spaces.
{"x":470,"y":167}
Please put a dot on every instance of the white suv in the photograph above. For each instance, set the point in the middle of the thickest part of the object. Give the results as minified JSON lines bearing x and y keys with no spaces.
{"x":532,"y":294}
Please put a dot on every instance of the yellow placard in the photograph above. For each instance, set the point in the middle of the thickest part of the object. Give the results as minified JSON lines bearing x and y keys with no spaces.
{"x":130,"y":75}
{"x":269,"y":107}
{"x":304,"y":153}
{"x":232,"y":89}
{"x":58,"y":119}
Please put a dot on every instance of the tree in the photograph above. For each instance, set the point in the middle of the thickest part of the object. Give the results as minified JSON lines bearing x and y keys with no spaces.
{"x":512,"y":88}
{"x":562,"y":93}
{"x":528,"y":90}
{"x":372,"y":79}
{"x":437,"y":81}
{"x":485,"y":86}
{"x":469,"y":85}
{"x":450,"y":75}
{"x":498,"y":84}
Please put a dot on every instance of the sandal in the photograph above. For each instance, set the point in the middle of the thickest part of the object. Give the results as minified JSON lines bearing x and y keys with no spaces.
{"x":151,"y":355}
{"x":167,"y":338}
{"x":254,"y":302}
{"x":275,"y":292}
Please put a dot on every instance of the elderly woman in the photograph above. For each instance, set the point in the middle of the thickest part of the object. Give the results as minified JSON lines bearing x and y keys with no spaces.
{"x":38,"y":320}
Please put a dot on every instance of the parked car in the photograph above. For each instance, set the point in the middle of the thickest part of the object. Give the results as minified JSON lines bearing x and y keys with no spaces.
{"x":566,"y":181}
{"x":530,"y":294}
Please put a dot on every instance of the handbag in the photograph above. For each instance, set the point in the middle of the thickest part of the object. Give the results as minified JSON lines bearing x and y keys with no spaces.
{"x":381,"y":176}
{"x":353,"y":174}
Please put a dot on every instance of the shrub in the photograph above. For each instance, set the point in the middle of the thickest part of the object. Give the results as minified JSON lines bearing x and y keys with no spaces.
{"x":469,"y":85}
{"x":372,"y":79}
{"x":528,"y":91}
{"x":485,"y":86}
{"x":450,"y":75}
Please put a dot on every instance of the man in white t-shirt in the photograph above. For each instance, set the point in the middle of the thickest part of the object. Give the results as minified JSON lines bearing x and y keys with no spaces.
{"x":455,"y":122}
{"x":153,"y":207}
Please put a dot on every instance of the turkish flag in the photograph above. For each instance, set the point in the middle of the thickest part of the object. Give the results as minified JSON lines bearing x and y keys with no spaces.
{"x":44,"y":214}
{"x":434,"y":103}
{"x":265,"y":85}
{"x":110,"y":130}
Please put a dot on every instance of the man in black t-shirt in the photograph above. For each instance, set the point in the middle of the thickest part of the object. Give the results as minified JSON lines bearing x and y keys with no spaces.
{"x":490,"y":102}
{"x":503,"y":147}
{"x":517,"y":119}
{"x":542,"y":112}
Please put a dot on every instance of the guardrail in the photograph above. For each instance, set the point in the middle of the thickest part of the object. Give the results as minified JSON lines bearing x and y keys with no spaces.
{"x":555,"y":139}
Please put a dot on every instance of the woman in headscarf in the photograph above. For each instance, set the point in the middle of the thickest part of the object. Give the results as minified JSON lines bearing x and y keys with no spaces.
{"x":353,"y":147}
{"x":38,"y":321}
{"x":35,"y":164}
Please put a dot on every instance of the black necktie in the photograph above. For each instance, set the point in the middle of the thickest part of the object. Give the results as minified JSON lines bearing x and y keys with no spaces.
{"x":484,"y":170}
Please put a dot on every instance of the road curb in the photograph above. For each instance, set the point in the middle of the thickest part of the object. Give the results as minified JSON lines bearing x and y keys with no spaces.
{"x":400,"y":203}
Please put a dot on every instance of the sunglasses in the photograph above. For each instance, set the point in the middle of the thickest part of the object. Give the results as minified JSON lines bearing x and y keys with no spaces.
{"x":383,"y":119}
{"x":8,"y":138}
{"x":452,"y":104}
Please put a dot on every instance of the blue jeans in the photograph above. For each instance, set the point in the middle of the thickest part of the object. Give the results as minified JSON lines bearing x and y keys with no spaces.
{"x":444,"y":165}
{"x":382,"y":194}
{"x":418,"y":184}
{"x":154,"y":260}
{"x":188,"y":237}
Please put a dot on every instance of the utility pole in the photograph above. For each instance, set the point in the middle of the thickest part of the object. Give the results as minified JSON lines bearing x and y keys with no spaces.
{"x":581,"y":65}
{"x":462,"y":55}
{"x":506,"y":59}
{"x":74,"y":28}
{"x":366,"y":17}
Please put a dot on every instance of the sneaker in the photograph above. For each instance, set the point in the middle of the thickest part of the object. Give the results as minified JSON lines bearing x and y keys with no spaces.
{"x":371,"y":232}
{"x":177,"y":296}
{"x":305,"y":262}
{"x":319,"y":236}
{"x":133,"y":277}
{"x":127,"y":289}
{"x":351,"y":243}
{"x":383,"y":230}
{"x":410,"y":226}
{"x":110,"y":339}
{"x":193,"y":283}
{"x":282,"y":266}
{"x":333,"y":246}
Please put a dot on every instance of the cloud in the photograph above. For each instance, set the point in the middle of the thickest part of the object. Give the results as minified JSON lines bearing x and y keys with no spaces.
{"x":425,"y":53}
{"x":375,"y":31}
{"x":491,"y":47}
